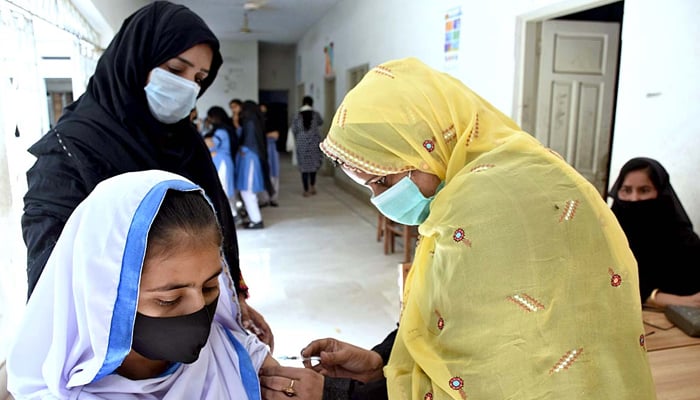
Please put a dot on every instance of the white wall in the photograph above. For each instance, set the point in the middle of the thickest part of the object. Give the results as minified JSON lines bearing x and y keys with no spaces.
{"x":106,"y":28}
{"x":107,"y":16}
{"x":237,"y":78}
{"x":658,"y":94}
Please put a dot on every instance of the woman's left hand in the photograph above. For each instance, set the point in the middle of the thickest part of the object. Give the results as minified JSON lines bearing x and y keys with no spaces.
{"x":255,"y":322}
{"x":303,"y":383}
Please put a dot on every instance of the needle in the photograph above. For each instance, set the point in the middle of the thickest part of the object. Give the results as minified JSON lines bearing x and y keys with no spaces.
{"x":312,"y":358}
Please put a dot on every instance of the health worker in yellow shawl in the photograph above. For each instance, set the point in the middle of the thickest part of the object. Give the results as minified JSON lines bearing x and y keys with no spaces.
{"x":522,"y":285}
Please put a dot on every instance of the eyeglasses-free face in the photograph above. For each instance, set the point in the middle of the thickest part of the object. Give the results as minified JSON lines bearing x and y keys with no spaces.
{"x":637,"y":187}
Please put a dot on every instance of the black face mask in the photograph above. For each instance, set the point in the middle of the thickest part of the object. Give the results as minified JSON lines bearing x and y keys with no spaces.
{"x":642,"y":216}
{"x":174,"y":339}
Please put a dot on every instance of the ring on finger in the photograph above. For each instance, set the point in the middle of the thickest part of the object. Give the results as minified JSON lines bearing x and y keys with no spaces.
{"x":289,"y":390}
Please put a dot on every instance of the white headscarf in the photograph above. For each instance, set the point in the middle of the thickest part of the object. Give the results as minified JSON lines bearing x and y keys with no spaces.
{"x":78,"y":325}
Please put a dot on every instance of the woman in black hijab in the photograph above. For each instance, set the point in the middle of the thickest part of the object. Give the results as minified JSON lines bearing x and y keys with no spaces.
{"x":659,"y":232}
{"x":132,"y":117}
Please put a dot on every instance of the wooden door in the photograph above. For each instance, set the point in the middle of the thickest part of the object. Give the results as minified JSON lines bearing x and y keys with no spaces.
{"x":576,"y":94}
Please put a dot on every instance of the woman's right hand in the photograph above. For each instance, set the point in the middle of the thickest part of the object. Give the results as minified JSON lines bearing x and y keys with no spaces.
{"x":662,"y":300}
{"x":344,"y":360}
{"x":693,"y":300}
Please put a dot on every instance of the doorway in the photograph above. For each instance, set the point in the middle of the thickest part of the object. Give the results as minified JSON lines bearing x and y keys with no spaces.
{"x":59,"y":94}
{"x":356,"y":74}
{"x":277,"y":113}
{"x":566,"y":83}
{"x":328,"y":112}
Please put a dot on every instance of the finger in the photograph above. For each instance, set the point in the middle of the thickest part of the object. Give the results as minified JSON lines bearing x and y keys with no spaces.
{"x":284,"y":372}
{"x":308,"y":364}
{"x":245,"y":316}
{"x":314,"y":364}
{"x":329,"y":359}
{"x":252,"y":328}
{"x":270,"y":394}
{"x":263,"y":325}
{"x":265,"y":332}
{"x":262,"y":335}
{"x":269,"y":339}
{"x":333,"y":357}
{"x":277,"y":383}
{"x":315,"y":347}
{"x":271,"y":343}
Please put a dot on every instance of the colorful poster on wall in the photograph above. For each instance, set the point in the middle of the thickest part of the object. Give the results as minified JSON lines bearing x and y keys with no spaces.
{"x":453,"y":24}
{"x":328,"y":60}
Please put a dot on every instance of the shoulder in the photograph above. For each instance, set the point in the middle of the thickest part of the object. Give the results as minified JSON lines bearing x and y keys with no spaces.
{"x":58,"y":152}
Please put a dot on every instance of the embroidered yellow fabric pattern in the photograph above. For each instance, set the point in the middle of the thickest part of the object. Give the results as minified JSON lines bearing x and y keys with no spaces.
{"x":511,"y":294}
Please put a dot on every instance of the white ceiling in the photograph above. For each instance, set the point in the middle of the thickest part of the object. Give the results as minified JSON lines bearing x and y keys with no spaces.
{"x":275,"y":21}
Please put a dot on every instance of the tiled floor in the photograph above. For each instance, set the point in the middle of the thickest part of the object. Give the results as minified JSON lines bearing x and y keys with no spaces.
{"x":315,"y":271}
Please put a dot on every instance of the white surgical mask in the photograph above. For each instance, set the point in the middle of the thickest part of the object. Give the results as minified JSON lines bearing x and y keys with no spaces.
{"x":170,"y":97}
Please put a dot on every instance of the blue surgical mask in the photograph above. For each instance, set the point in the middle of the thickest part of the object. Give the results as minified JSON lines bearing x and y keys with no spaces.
{"x":404,"y":202}
{"x":170,"y":97}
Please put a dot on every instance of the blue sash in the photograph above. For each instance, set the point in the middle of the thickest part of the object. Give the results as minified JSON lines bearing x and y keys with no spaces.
{"x":248,"y":373}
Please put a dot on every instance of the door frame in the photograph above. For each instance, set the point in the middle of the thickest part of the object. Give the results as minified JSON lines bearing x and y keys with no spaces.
{"x":528,"y":28}
{"x":329,"y":96}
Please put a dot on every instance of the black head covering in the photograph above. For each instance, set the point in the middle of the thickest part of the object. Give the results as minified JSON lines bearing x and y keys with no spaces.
{"x":219,"y":119}
{"x":148,"y":38}
{"x":662,"y":182}
{"x":659,"y":232}
{"x":114,"y":105}
{"x":110,"y":130}
{"x":253,"y":138}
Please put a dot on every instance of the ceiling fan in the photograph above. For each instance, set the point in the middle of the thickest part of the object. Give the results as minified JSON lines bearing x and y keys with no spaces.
{"x":245,"y":28}
{"x":248,"y":7}
{"x":254,"y":5}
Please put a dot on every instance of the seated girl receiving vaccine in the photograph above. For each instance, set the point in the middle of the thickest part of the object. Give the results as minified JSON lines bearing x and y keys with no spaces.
{"x":137,"y":302}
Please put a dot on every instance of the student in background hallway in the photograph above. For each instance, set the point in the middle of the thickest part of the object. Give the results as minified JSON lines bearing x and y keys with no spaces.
{"x":236,"y":105}
{"x":660,"y":234}
{"x":133,"y":116}
{"x":251,"y":164}
{"x":224,"y":143}
{"x":136,"y":303}
{"x":195,"y":121}
{"x":522,"y":285}
{"x":272,"y":133}
{"x":306,"y":127}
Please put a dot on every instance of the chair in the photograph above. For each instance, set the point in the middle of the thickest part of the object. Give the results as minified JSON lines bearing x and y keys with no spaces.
{"x":403,"y":273}
{"x":409,"y":234}
{"x":381,"y":221}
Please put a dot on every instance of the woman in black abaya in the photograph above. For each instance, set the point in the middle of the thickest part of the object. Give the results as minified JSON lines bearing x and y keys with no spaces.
{"x":132,"y":117}
{"x":659,"y":232}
